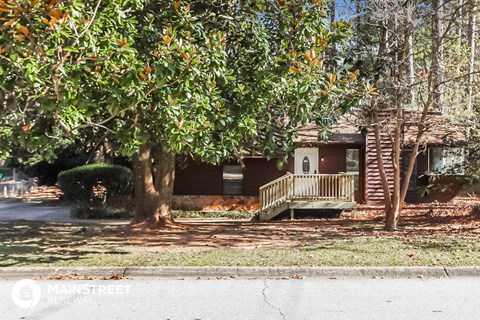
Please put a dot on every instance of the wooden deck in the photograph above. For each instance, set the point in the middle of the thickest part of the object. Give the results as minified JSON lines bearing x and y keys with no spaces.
{"x":306,"y":191}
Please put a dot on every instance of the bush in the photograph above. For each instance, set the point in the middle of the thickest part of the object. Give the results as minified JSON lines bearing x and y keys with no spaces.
{"x":93,"y":189}
{"x":100,"y":212}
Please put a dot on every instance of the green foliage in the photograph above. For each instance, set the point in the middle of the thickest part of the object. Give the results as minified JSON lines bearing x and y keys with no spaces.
{"x":472,"y":147}
{"x":97,"y":185}
{"x":204,"y":78}
{"x":69,"y":157}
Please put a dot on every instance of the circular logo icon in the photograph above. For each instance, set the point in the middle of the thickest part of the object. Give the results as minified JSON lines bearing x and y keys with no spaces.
{"x":26,"y":293}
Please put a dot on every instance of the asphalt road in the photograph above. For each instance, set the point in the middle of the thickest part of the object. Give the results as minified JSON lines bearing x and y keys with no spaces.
{"x":23,"y":211}
{"x":457,"y":298}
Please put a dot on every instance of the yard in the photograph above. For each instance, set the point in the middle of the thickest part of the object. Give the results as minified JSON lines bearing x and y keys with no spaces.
{"x":430,"y":235}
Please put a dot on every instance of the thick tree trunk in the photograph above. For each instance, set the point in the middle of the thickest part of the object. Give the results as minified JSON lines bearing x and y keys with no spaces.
{"x":153,"y":197}
{"x":164,"y":180}
{"x":146,"y":197}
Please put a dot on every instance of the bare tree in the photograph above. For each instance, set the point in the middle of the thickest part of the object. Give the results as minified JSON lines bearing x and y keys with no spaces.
{"x":472,"y":29}
{"x":404,"y":93}
{"x":437,"y":54}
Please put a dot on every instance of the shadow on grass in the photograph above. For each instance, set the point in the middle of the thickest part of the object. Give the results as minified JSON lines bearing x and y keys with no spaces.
{"x":43,"y":243}
{"x":32,"y":242}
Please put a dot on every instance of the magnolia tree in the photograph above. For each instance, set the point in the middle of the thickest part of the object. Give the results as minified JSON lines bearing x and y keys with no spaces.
{"x":168,"y":78}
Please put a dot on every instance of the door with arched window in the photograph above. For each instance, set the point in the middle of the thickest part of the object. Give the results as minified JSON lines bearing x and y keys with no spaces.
{"x":306,"y":163}
{"x":306,"y":160}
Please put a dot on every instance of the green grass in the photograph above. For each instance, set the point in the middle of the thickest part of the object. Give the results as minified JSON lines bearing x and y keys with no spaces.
{"x":362,"y":251}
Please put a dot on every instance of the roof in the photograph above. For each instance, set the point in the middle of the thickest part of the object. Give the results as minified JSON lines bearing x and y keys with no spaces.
{"x":345,"y":130}
{"x":439,"y":129}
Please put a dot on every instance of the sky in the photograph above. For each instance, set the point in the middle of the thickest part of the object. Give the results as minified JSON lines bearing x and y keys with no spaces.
{"x":344,"y":9}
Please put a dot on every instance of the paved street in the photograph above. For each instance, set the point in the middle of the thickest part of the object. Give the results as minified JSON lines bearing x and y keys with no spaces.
{"x":457,"y":298}
{"x":23,"y":211}
{"x":10,"y":211}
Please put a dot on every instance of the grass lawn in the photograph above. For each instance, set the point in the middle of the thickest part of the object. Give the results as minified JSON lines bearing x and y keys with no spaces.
{"x":355,"y":252}
{"x":427,"y":238}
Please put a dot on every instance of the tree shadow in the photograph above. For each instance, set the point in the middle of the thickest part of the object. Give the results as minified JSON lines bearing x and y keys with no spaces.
{"x":57,"y":243}
{"x":33,"y":242}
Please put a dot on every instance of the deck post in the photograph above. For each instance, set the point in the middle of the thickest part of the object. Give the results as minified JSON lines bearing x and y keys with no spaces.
{"x":292,"y":214}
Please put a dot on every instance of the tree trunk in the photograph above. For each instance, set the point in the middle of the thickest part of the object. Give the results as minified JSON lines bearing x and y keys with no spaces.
{"x":331,"y":51}
{"x":146,"y":197}
{"x":153,"y":197}
{"x":392,"y":217}
{"x":164,"y":180}
{"x":403,"y":53}
{"x":471,"y":42}
{"x":411,"y":65}
{"x":437,"y":54}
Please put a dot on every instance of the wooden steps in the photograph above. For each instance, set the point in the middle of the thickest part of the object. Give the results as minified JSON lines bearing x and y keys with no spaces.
{"x":306,"y":191}
{"x":270,"y":213}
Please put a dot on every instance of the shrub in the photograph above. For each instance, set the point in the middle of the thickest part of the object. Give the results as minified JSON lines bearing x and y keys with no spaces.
{"x":100,"y":212}
{"x":94,"y":188}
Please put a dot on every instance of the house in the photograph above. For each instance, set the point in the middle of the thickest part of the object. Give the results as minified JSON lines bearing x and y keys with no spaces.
{"x":337,"y":174}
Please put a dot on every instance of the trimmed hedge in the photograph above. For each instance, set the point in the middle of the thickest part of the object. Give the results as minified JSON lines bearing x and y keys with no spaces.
{"x":92,"y":188}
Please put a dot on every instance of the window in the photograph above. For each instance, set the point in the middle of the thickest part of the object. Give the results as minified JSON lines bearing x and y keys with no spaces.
{"x":353,"y":160}
{"x":412,"y":185}
{"x":353,"y":165}
{"x":306,"y":165}
{"x":446,"y":160}
{"x":232,"y":179}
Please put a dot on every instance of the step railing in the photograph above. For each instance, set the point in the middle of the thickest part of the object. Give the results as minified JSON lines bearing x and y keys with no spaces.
{"x":308,"y":187}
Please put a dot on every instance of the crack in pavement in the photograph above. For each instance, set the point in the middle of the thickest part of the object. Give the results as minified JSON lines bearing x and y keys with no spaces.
{"x":265,"y":287}
{"x":446,"y":272}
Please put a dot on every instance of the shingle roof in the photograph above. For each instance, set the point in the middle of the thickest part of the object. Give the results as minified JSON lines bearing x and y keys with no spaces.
{"x":347,"y":130}
{"x":438,"y":129}
{"x":344,"y":130}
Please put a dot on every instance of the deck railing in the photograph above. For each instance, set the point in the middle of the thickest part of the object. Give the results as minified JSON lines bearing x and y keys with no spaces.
{"x":308,"y":187}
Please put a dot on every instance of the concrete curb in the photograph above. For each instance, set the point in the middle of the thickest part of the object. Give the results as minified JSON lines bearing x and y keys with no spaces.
{"x":242,"y":272}
{"x":279,"y":272}
{"x":463,"y":272}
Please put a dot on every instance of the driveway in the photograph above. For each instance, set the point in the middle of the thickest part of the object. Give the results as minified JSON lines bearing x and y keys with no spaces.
{"x":23,"y":211}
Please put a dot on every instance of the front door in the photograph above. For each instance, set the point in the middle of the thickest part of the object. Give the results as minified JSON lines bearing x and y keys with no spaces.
{"x":306,"y":162}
